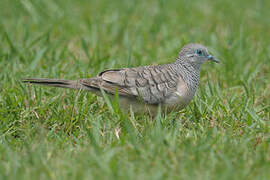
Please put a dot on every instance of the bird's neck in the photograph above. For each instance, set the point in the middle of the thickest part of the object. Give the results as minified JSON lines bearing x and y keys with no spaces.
{"x":190,"y":74}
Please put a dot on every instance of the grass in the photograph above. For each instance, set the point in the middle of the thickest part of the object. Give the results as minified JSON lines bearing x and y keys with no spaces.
{"x":49,"y":133}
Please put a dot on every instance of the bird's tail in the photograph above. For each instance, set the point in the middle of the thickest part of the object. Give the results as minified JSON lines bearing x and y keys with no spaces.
{"x":72,"y":84}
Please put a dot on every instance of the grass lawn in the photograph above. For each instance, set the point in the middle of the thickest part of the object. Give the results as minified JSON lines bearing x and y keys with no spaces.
{"x":50,"y":133}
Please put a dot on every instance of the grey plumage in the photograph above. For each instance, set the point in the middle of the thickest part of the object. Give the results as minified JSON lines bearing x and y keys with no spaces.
{"x":144,"y":88}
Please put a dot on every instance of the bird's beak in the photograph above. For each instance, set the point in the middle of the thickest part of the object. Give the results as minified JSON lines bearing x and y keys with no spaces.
{"x":212,"y":58}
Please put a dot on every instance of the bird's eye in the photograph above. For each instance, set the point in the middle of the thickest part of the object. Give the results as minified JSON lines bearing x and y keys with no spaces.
{"x":199,"y":52}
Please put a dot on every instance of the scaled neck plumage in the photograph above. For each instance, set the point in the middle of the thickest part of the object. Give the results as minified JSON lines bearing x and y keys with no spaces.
{"x":190,"y":74}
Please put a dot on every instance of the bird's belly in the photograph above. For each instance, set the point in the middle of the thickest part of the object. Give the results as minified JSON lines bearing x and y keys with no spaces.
{"x":177,"y":102}
{"x":136,"y":106}
{"x":172,"y":103}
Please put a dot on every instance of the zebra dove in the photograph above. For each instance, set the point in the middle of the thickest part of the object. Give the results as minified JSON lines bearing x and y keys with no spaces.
{"x":171,"y":86}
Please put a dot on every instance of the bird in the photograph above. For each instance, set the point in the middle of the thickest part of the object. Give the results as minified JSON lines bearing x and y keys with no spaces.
{"x":146,"y":88}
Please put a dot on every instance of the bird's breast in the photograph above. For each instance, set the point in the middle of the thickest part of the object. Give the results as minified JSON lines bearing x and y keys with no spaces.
{"x":181,"y":97}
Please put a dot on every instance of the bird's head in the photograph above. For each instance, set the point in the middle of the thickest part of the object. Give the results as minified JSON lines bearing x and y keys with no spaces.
{"x":195,"y":54}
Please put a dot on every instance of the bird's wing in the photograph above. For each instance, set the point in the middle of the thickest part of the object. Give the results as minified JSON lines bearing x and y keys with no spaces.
{"x":151,"y":84}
